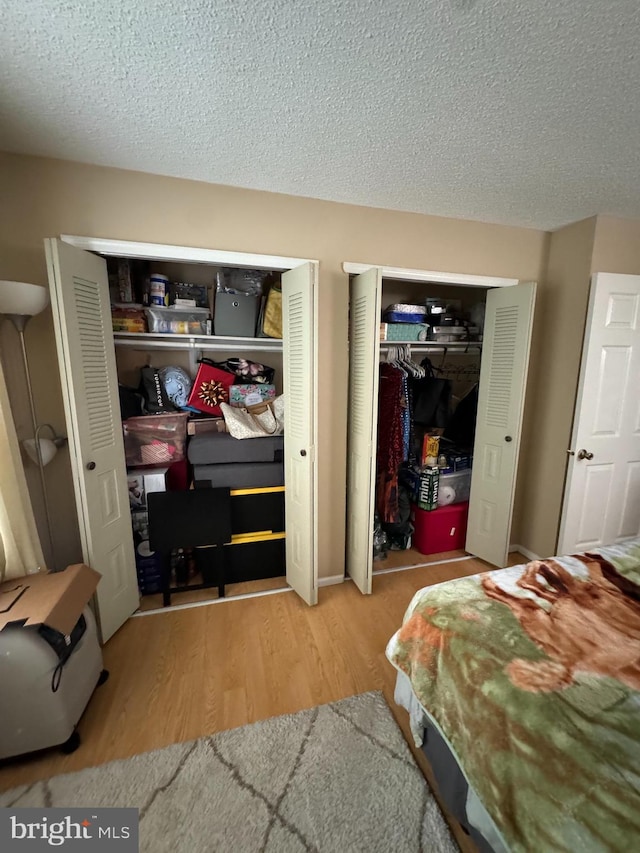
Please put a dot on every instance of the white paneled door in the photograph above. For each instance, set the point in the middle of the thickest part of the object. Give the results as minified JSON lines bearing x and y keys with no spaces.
{"x":602,"y":488}
{"x":503,"y":378}
{"x":299,"y":374}
{"x":82,"y":321}
{"x":364,"y":320}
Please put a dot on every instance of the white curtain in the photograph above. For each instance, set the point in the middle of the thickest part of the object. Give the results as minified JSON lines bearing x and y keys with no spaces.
{"x":20,"y":550}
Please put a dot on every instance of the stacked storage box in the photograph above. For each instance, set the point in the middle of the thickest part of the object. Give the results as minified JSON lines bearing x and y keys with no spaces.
{"x":442,"y":525}
{"x":254,"y":471}
{"x":148,"y":564}
{"x":404,"y":322}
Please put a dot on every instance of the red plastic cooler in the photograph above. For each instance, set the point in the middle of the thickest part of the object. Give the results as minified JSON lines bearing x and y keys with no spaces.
{"x":442,"y":529}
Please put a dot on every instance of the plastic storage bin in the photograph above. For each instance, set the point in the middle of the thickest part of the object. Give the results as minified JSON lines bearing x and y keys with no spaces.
{"x":155,"y":439}
{"x":177,"y":321}
{"x":442,"y":529}
{"x":247,"y":558}
{"x":256,"y":511}
{"x":128,"y":318}
{"x":454,"y":488}
{"x":236,"y":314}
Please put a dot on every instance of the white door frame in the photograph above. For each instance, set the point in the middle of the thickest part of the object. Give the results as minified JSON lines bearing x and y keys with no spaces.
{"x":193,"y":255}
{"x":588,"y":363}
{"x":432,"y":277}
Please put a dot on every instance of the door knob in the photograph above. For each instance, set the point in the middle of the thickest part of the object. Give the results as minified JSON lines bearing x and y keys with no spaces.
{"x":91,"y":466}
{"x":508,"y":438}
{"x":303,"y":453}
{"x":584,"y":454}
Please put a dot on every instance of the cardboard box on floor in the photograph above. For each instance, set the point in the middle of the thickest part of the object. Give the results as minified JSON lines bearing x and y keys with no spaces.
{"x":55,"y":599}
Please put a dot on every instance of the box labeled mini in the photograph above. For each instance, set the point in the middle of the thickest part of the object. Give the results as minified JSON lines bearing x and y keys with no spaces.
{"x":427,"y":494}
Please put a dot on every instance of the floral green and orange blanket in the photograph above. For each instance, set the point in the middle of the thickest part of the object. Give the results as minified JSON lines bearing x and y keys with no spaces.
{"x":532,"y":673}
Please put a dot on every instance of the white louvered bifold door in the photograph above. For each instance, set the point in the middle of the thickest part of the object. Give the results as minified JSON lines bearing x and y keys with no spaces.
{"x":503,"y":378}
{"x":82,"y":322}
{"x":300,"y":384}
{"x":364,"y":334}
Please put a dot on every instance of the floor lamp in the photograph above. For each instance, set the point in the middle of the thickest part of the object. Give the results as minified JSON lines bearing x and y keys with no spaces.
{"x":19,"y":301}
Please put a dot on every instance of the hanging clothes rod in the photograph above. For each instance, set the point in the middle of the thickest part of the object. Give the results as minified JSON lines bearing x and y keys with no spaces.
{"x":433,"y":346}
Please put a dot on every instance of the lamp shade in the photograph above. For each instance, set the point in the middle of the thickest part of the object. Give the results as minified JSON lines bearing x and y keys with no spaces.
{"x":47,"y":449}
{"x":20,"y":297}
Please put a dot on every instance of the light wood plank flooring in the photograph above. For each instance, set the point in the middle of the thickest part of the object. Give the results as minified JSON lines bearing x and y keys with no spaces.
{"x":183,"y":674}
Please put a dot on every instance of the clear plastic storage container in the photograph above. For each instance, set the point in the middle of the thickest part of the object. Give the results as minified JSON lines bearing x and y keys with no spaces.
{"x":155,"y":439}
{"x":454,"y":488}
{"x":177,"y":321}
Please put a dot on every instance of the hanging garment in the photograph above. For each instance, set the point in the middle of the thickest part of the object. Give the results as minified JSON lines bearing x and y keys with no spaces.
{"x":391,"y":405}
{"x":431,"y":399}
{"x":461,"y":429}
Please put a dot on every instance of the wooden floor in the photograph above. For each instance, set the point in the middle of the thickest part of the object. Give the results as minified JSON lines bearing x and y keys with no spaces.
{"x":179,"y":675}
{"x":154,"y":602}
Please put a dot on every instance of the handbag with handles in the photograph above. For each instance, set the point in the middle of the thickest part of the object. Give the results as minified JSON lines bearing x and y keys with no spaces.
{"x":431,"y":398}
{"x":259,"y":421}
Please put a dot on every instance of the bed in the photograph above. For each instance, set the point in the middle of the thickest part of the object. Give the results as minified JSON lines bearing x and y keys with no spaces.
{"x":523,"y":687}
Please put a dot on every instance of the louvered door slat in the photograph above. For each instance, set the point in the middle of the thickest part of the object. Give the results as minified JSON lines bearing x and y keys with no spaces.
{"x":91,"y":334}
{"x":299,"y":368}
{"x":82,"y":322}
{"x":507,"y":335}
{"x":366,"y":290}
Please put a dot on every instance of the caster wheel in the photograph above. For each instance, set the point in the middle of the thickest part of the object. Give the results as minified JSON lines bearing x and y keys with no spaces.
{"x":71,"y":744}
{"x":104,"y":675}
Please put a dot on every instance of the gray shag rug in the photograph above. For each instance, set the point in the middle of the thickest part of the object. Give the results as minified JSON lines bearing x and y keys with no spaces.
{"x":338,"y":777}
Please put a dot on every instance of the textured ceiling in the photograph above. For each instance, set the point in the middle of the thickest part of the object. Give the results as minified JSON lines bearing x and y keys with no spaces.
{"x":517,"y":111}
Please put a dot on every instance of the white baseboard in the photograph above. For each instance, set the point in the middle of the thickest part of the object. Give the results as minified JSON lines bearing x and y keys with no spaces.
{"x":524,"y":551}
{"x":332,"y":579}
{"x":421,"y":565}
{"x":226,"y":600}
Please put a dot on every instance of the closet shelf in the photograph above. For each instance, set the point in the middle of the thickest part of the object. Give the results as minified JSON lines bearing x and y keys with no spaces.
{"x":153,"y":340}
{"x":433,"y":346}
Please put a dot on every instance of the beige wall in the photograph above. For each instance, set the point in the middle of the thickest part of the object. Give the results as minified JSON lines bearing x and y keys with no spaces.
{"x":617,"y":246}
{"x":43,"y":198}
{"x":554,"y":368}
{"x":599,"y":244}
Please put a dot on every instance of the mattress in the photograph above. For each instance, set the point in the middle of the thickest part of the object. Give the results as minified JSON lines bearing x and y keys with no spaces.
{"x":531,"y":675}
{"x":455,"y":791}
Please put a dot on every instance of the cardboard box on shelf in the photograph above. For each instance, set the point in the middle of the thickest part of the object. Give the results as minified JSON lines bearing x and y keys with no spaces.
{"x":198,"y":426}
{"x":55,"y":599}
{"x":430,"y":449}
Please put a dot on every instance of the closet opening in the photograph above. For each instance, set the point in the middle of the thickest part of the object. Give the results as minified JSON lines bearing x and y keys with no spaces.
{"x":431,"y":338}
{"x":169,"y":318}
{"x":414,"y":419}
{"x":173,"y":364}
